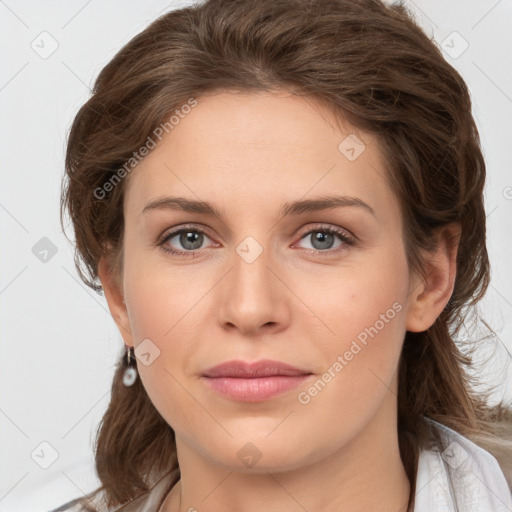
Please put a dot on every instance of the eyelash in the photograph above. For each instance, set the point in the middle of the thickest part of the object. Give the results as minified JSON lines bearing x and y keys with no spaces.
{"x":345,"y":238}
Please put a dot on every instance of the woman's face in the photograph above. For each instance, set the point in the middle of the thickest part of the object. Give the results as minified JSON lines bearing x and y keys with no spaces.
{"x":266,"y":281}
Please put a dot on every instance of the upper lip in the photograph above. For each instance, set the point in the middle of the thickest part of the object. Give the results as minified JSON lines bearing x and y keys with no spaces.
{"x":262,"y":368}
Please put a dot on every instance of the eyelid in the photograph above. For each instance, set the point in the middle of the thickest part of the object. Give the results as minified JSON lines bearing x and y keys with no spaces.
{"x":342,"y":232}
{"x":178,"y":229}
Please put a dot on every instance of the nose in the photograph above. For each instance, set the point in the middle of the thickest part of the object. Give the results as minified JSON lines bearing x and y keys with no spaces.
{"x":252,"y":298}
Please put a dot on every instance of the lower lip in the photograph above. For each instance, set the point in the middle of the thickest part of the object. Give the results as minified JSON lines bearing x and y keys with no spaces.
{"x":256,"y":389}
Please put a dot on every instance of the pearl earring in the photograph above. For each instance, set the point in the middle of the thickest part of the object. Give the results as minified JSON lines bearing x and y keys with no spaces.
{"x":130,"y":374}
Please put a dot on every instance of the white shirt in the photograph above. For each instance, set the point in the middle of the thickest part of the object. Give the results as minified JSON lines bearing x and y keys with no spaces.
{"x":460,"y":476}
{"x":455,"y":475}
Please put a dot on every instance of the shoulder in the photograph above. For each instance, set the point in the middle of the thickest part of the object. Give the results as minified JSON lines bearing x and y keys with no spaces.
{"x":499,"y":445}
{"x":150,"y":500}
{"x":93,"y":502}
{"x":454,"y":470}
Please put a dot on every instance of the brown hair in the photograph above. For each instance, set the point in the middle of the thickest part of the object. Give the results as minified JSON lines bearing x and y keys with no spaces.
{"x":371,"y":64}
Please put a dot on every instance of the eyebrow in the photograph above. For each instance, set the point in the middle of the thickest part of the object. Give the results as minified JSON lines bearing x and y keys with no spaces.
{"x":287,"y":209}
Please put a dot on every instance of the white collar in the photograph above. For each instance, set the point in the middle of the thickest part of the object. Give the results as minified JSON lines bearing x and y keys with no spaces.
{"x":459,"y":476}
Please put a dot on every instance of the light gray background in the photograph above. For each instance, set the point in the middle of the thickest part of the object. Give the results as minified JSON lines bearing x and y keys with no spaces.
{"x":59,"y":342}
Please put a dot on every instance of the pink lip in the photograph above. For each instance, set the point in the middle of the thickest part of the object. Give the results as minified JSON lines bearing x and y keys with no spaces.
{"x":254,"y":382}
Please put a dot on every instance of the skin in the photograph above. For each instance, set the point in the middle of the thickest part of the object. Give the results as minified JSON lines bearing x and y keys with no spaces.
{"x":248,"y":154}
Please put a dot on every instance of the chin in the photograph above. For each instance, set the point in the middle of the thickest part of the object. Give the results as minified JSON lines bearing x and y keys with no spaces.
{"x":265,"y":461}
{"x":259,"y":453}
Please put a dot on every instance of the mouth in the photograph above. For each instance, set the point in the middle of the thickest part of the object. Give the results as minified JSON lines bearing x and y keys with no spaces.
{"x":254,"y":382}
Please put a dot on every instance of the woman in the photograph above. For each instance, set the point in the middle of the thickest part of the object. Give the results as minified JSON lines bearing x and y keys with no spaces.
{"x":283,"y":203}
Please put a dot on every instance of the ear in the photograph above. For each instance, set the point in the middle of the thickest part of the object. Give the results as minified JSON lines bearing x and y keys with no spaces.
{"x":115,"y":300}
{"x":429,"y":296}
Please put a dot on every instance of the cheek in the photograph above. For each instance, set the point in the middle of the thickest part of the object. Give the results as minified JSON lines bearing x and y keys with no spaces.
{"x":166,"y":309}
{"x":161,"y":302}
{"x":364,"y":310}
{"x":359,"y":360}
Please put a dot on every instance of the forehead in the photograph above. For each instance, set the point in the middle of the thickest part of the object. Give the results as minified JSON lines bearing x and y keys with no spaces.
{"x":259,"y":149}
